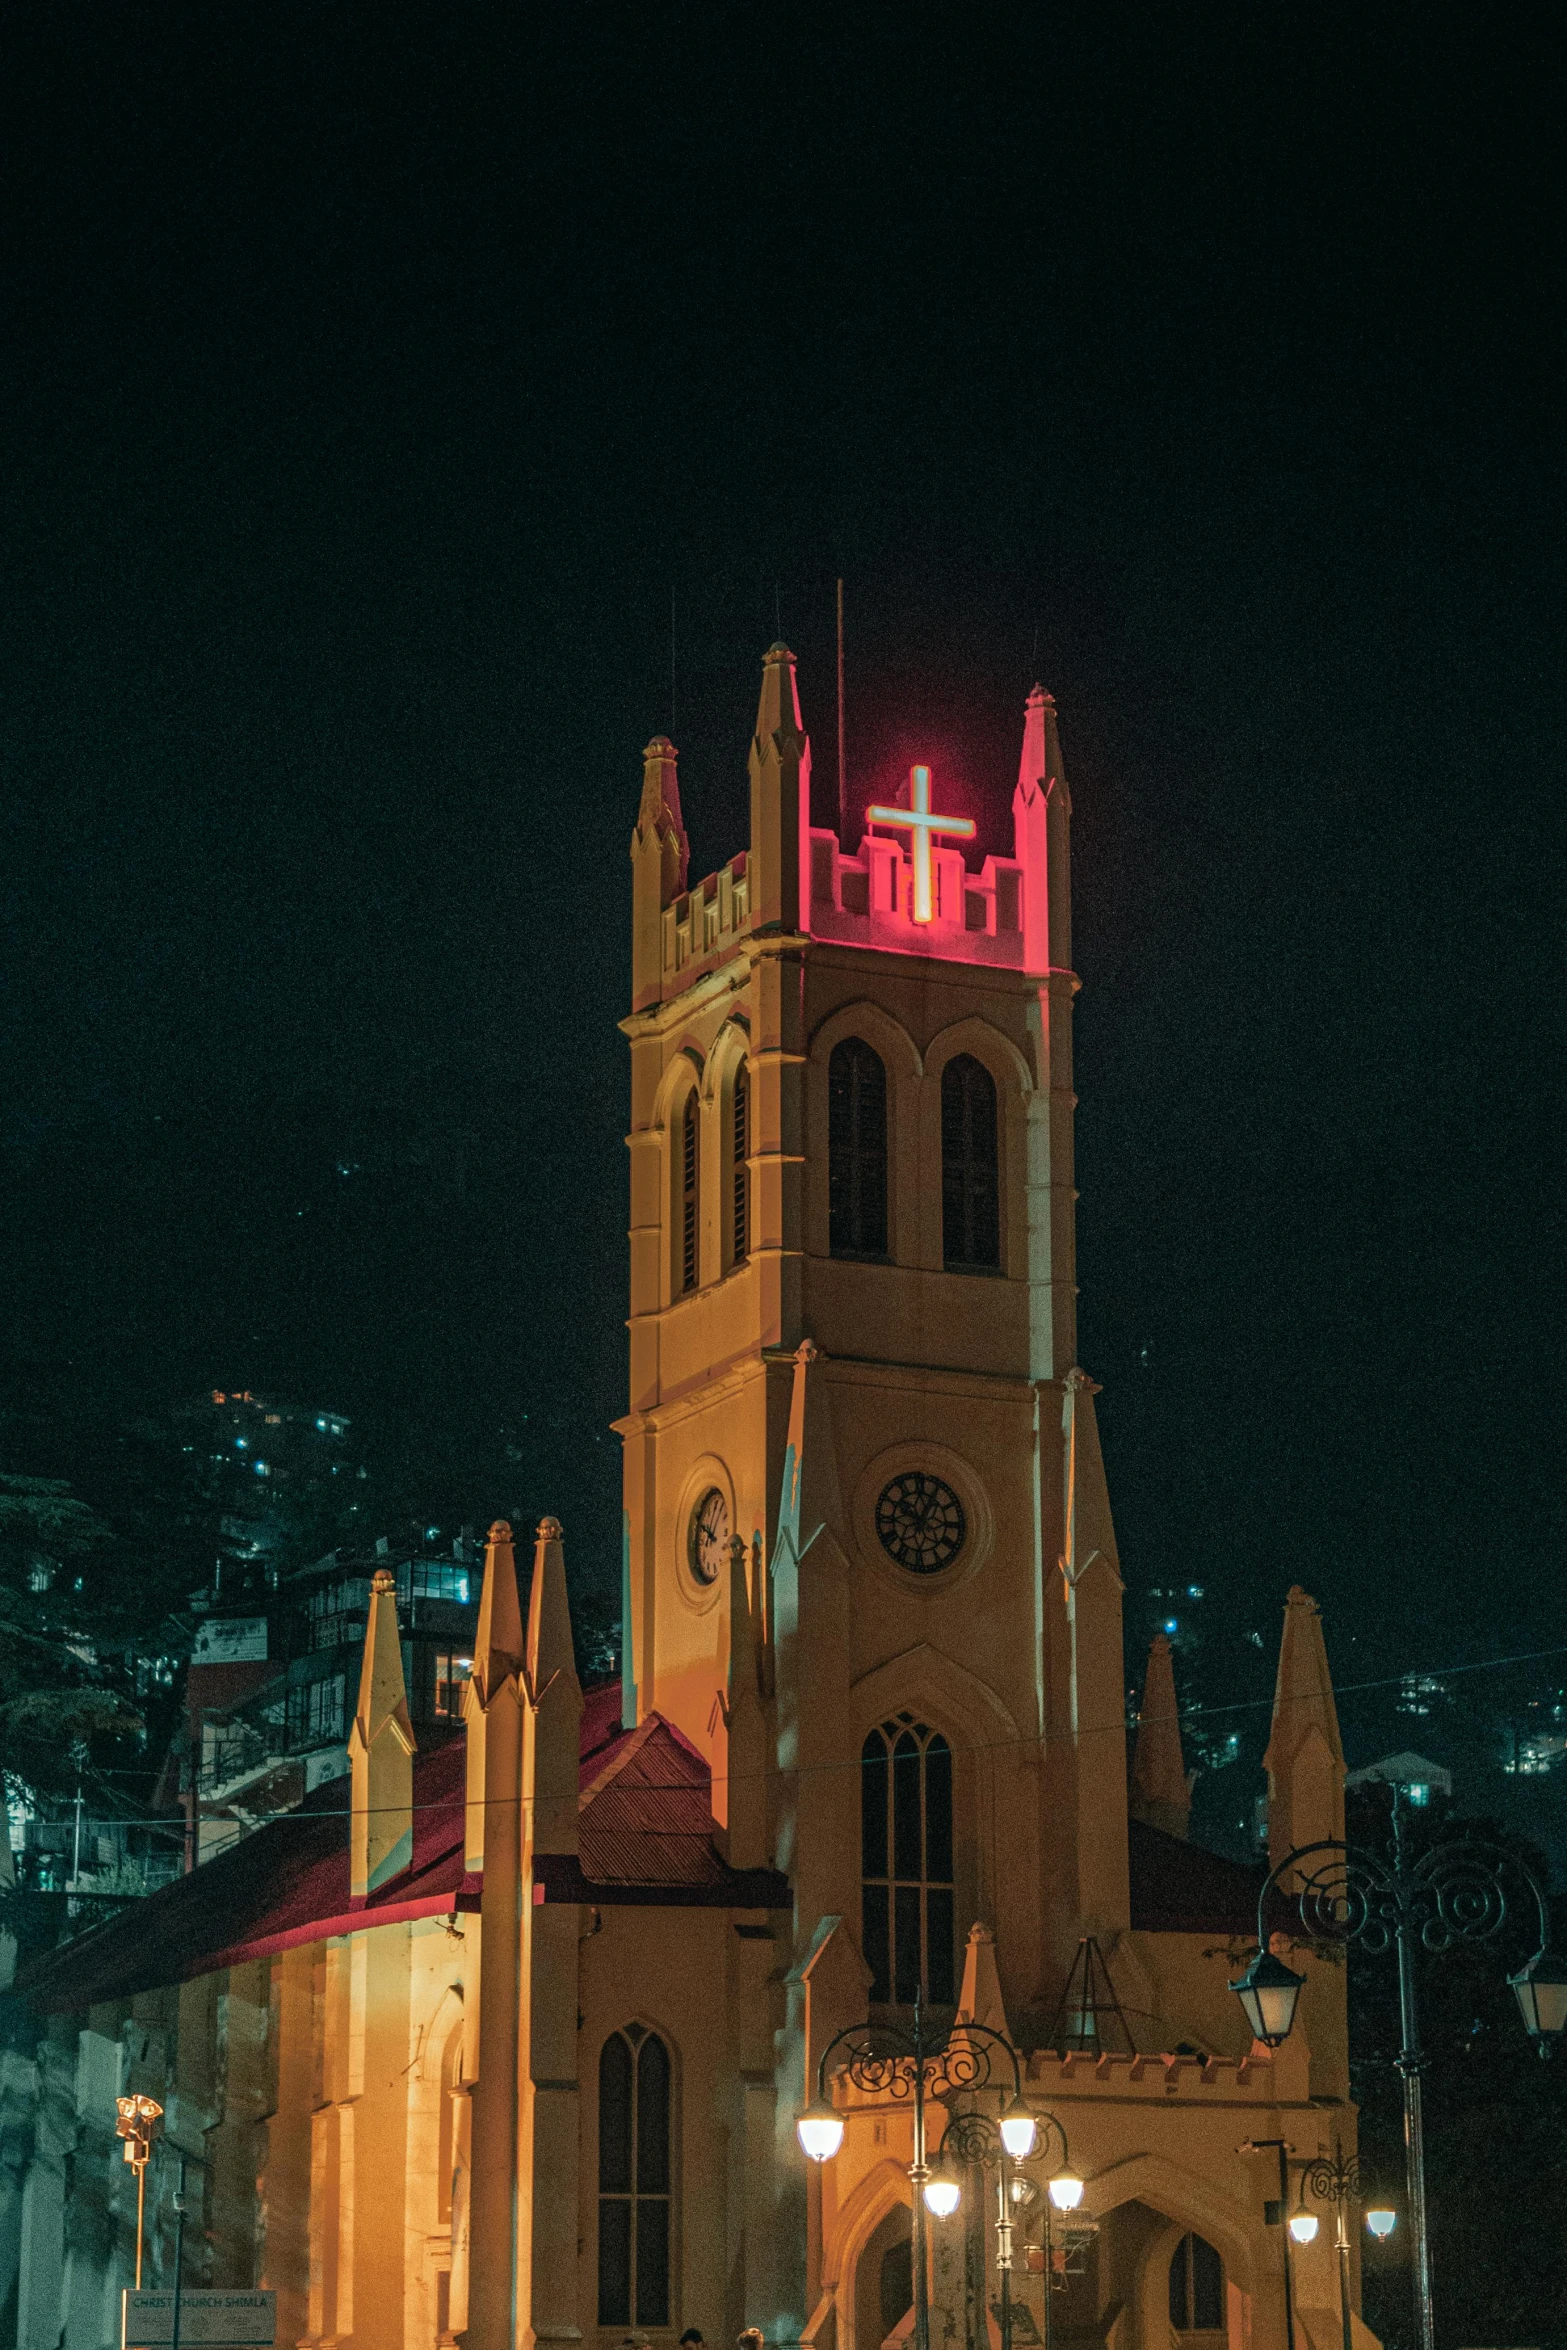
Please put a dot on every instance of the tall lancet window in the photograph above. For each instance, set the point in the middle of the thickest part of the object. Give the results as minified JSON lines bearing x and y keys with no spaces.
{"x":634,"y":2170}
{"x":690,"y":1143}
{"x":1196,"y":2288}
{"x":856,"y":1150}
{"x":740,"y":1138}
{"x":907,"y":1909}
{"x":970,"y":1168}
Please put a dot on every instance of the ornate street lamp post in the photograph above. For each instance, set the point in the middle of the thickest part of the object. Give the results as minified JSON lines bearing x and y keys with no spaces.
{"x":1333,"y":2179}
{"x":1454,"y":1892}
{"x":889,"y":2060}
{"x":974,"y":2140}
{"x":136,"y":2120}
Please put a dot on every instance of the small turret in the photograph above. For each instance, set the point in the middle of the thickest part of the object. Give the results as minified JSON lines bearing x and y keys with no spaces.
{"x":381,"y":1748}
{"x":1161,"y":1795}
{"x":1041,"y":819}
{"x":497,"y":1661}
{"x":660,"y":856}
{"x":744,"y":1792}
{"x":1092,"y":1588}
{"x":779,"y":865}
{"x":492,"y":1712}
{"x":979,"y":1996}
{"x":555,"y":1698}
{"x":1305,"y":1759}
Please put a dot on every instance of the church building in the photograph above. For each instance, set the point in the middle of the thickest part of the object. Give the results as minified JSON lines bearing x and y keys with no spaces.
{"x":506,"y":2041}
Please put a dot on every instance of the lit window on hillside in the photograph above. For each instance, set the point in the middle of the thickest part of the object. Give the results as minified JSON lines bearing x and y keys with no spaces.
{"x":451,"y":1672}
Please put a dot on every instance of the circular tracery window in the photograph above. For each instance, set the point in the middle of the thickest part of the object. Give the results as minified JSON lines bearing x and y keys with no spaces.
{"x":920,"y":1522}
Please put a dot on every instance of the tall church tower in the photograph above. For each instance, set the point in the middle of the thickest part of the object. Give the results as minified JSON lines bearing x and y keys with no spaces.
{"x":870,"y":1569}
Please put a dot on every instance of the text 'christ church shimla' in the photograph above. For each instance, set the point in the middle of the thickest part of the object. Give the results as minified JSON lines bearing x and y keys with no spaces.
{"x":504,"y":2042}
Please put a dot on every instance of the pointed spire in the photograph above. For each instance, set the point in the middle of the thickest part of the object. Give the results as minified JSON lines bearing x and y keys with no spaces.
{"x":1161,"y":1797}
{"x":787,"y":1539}
{"x":1041,"y":822}
{"x":780,"y":800}
{"x":778,"y":708}
{"x":660,"y":856}
{"x":660,"y":809}
{"x":1033,"y":773}
{"x":744,"y":1793}
{"x":979,"y":1998}
{"x":493,"y":1716}
{"x":1305,"y":1758}
{"x":1091,"y":1576}
{"x":744,"y":1673}
{"x":381,"y":1748}
{"x":1089,"y":1533}
{"x":497,"y":1643}
{"x":497,"y":1662}
{"x":554,"y":1697}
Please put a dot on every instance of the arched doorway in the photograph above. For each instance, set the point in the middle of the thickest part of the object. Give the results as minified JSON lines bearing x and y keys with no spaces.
{"x":884,"y":2279}
{"x":1197,"y":2295}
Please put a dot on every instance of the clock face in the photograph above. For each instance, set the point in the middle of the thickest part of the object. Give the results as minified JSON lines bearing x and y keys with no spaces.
{"x":920,"y":1522}
{"x":708,"y":1540}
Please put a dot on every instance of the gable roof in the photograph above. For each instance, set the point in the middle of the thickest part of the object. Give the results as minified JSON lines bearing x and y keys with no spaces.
{"x":1181,"y":1888}
{"x":646,"y":1834}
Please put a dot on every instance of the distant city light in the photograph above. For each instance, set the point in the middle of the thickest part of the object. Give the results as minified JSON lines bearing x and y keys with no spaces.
{"x":240,"y":1443}
{"x":1194,"y":1591}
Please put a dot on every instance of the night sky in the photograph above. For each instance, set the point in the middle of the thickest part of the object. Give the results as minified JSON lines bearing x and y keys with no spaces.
{"x":374,"y":378}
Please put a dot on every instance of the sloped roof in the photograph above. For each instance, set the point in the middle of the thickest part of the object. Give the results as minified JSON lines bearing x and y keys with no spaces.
{"x":1180,"y":1888}
{"x":646,"y":1833}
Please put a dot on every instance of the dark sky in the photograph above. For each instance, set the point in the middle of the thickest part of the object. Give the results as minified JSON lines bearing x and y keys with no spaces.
{"x":373,"y":377}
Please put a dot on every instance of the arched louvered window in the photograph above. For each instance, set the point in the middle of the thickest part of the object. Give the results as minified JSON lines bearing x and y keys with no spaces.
{"x":856,"y":1150}
{"x":907,"y":1911}
{"x":634,"y":2174}
{"x":1196,"y":2288}
{"x":690,"y":1142}
{"x":970,"y":1168}
{"x":740,"y":1144}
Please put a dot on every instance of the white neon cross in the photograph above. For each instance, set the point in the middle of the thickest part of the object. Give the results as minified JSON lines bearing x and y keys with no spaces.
{"x":921,"y":825}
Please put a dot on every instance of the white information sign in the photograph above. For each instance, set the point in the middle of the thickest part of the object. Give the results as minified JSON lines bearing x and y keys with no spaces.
{"x":208,"y":2321}
{"x":231,"y":1640}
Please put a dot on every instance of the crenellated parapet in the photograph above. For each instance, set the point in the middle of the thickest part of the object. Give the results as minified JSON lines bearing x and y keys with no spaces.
{"x":868,"y":901}
{"x":704,"y":924}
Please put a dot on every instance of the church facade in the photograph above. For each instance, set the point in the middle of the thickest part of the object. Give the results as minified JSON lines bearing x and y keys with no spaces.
{"x":506,"y":2042}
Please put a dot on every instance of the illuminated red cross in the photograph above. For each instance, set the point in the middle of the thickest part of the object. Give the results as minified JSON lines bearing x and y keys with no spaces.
{"x":921,"y":825}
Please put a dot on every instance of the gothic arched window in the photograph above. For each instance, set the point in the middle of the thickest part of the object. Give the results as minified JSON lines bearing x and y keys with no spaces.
{"x":740,"y":1144}
{"x":1196,"y":2287}
{"x":634,"y":2170}
{"x":970,"y":1168}
{"x":907,"y":1911}
{"x":690,"y":1143}
{"x":856,"y":1150}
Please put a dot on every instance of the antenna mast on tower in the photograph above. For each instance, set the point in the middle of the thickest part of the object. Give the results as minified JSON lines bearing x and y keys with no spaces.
{"x":843,"y":787}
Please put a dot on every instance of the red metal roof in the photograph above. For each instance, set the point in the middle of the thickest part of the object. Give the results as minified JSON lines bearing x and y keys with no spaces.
{"x":646,"y":1830}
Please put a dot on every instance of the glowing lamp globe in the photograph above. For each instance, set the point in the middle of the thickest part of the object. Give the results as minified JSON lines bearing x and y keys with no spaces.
{"x":1269,"y":1991}
{"x":1017,"y":2130}
{"x":1066,"y":2190}
{"x":1381,"y":2223}
{"x":820,"y":2131}
{"x":1303,"y":2226}
{"x":1540,"y":1989}
{"x":942,"y":2193}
